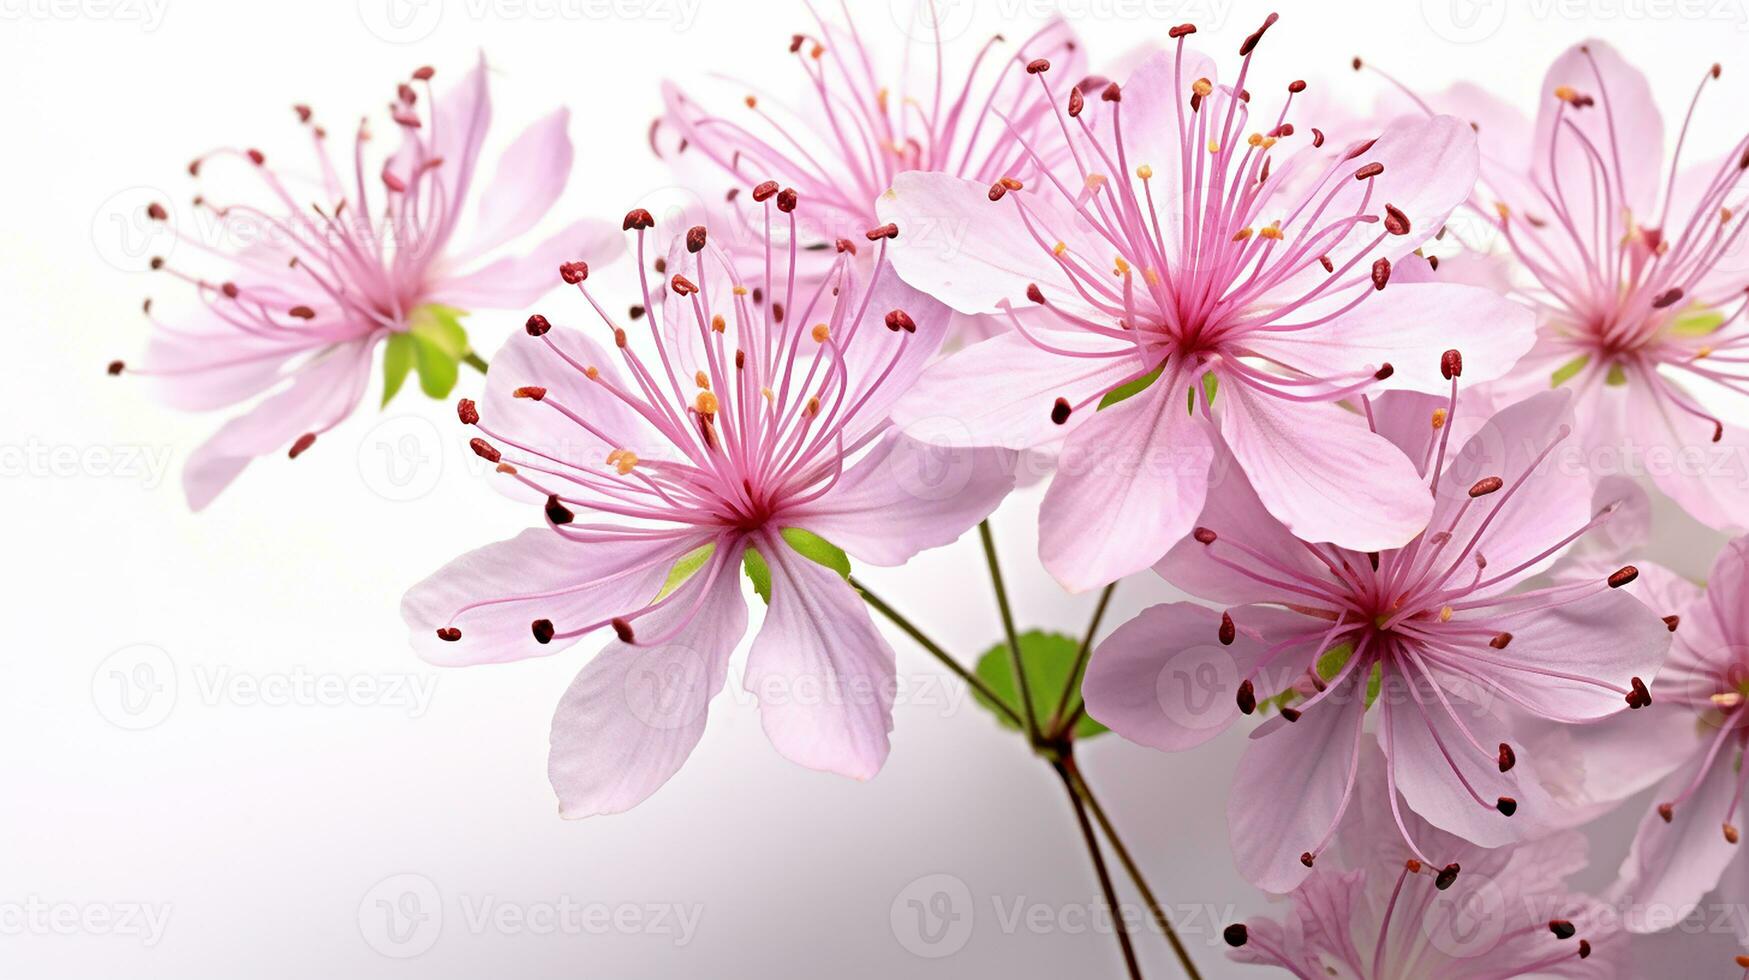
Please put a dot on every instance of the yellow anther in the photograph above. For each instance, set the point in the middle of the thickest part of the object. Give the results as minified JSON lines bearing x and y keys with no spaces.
{"x":1059,"y":248}
{"x":818,"y":51}
{"x":1272,"y":231}
{"x":1152,"y":277}
{"x":703,"y":379}
{"x":812,"y":408}
{"x":740,"y":290}
{"x":1439,"y":418}
{"x":1242,"y":234}
{"x":1725,"y":215}
{"x":752,"y":103}
{"x":768,"y":395}
{"x":1502,"y":210}
{"x":1095,"y":181}
{"x":718,"y":323}
{"x":1144,"y":171}
{"x":1566,"y":93}
{"x":1703,"y":353}
{"x":1255,"y":139}
{"x":628,"y":461}
{"x":1121,"y":268}
{"x":1214,"y":146}
{"x":1268,"y":141}
{"x":1202,"y":86}
{"x":1445,"y":615}
{"x":706,"y":403}
{"x":821,"y":332}
{"x":1009,"y":183}
{"x":881,"y":98}
{"x":592,"y":372}
{"x":1727,"y":699}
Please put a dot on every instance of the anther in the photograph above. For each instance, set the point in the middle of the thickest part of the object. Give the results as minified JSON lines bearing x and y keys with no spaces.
{"x":1291,"y":714}
{"x":1182,"y":30}
{"x":537,"y":325}
{"x":257,"y":157}
{"x":821,"y":333}
{"x":1506,"y":805}
{"x":1507,"y":757}
{"x":1396,"y":222}
{"x":1446,"y":876}
{"x":1584,"y":948}
{"x":1034,"y":293}
{"x":1451,"y":365}
{"x":467,"y":411}
{"x":304,"y":442}
{"x":682,"y":285}
{"x":1205,"y":535}
{"x":1638,"y":696}
{"x":695,"y":239}
{"x":786,"y":200}
{"x":1562,"y":928}
{"x":1113,"y":93}
{"x":1500,"y":641}
{"x":573,"y":272}
{"x":1296,"y":86}
{"x":888,"y":230}
{"x":116,"y":367}
{"x":448,"y":634}
{"x":484,"y":450}
{"x":1246,"y":697}
{"x":543,"y":631}
{"x":1038,"y":66}
{"x":1486,"y":486}
{"x":898,"y":320}
{"x":1667,"y":811}
{"x":1666,"y":298}
{"x":623,"y":630}
{"x":1384,"y":372}
{"x":1307,"y":858}
{"x":1228,"y":632}
{"x":764,"y":190}
{"x":637,"y":219}
{"x":1622,"y":576}
{"x":556,"y":512}
{"x":1060,"y":411}
{"x":1381,"y":273}
{"x":1077,"y":102}
{"x":534,"y":392}
{"x":1370,"y":170}
{"x":1730,"y":833}
{"x":1250,"y":42}
{"x":705,"y":403}
{"x":301,"y":312}
{"x":1236,"y":935}
{"x":1671,"y":622}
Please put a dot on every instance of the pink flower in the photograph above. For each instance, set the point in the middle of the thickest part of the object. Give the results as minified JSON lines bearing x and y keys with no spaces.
{"x":1688,"y":841}
{"x":1378,"y":912}
{"x":1182,"y":251}
{"x":1636,"y":267}
{"x":754,"y":433}
{"x":1434,"y":632}
{"x":868,"y":112}
{"x":326,"y":271}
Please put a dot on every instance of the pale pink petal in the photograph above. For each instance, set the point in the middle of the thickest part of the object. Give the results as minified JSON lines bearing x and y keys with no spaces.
{"x":907,"y":496}
{"x":319,"y":395}
{"x":1321,"y":472}
{"x":531,"y":175}
{"x":205,"y":364}
{"x":1409,"y":326}
{"x":1588,"y":770}
{"x":494,"y":594}
{"x":1671,"y":866}
{"x":883,"y":364}
{"x":1165,"y":680}
{"x":556,"y":361}
{"x":823,"y":674}
{"x":633,"y":715}
{"x":1130,"y":483}
{"x":1708,"y":478}
{"x":515,"y":281}
{"x":1001,"y":392}
{"x":1624,"y":125}
{"x":1290,"y":786}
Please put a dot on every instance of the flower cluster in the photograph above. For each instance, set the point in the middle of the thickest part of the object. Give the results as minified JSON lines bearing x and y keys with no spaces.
{"x":1406,"y":498}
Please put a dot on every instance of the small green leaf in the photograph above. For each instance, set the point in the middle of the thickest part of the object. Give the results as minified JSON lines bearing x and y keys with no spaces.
{"x":439,"y":343}
{"x":758,"y":572}
{"x":683,"y":569}
{"x":1697,"y":321}
{"x":397,"y":361}
{"x":1616,"y":376}
{"x":817,"y":549}
{"x":1047,"y":659}
{"x":1330,"y":663}
{"x":1130,"y":389}
{"x":1569,"y":370}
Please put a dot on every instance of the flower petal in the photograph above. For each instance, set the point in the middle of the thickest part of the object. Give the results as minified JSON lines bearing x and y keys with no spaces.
{"x":1671,"y":866}
{"x":531,"y":175}
{"x":633,"y":715}
{"x":515,"y":281}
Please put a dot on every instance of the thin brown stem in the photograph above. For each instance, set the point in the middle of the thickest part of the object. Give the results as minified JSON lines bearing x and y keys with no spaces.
{"x":1020,"y":681}
{"x":1123,"y":933}
{"x":947,"y":660}
{"x":1061,"y":720}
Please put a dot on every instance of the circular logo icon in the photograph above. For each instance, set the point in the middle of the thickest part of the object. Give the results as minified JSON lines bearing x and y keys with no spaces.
{"x":125,"y":233}
{"x":932,"y":917}
{"x":940,"y":467}
{"x":666,"y":687}
{"x":932,"y":20}
{"x":401,"y":458}
{"x":135,"y":687}
{"x":1195,"y":688}
{"x":401,"y":21}
{"x":1467,"y":919}
{"x":401,"y":916}
{"x":1464,"y":21}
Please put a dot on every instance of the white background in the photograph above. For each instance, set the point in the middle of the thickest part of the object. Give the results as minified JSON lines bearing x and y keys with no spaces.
{"x":270,"y":831}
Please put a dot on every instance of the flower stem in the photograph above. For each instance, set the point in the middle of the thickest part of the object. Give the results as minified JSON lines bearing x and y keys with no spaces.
{"x":935,"y":649}
{"x":1062,"y":721}
{"x":1020,"y":682}
{"x":1072,"y":775}
{"x":474,"y":361}
{"x":1077,"y":800}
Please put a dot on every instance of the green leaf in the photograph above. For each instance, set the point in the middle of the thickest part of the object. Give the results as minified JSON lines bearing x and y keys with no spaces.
{"x":439,"y":343}
{"x":1697,"y":321}
{"x":1330,"y":663}
{"x":1569,"y":370}
{"x":683,"y":569}
{"x":1047,"y":659}
{"x":397,"y":361}
{"x":758,"y":572}
{"x":1130,"y":389}
{"x":805,"y":543}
